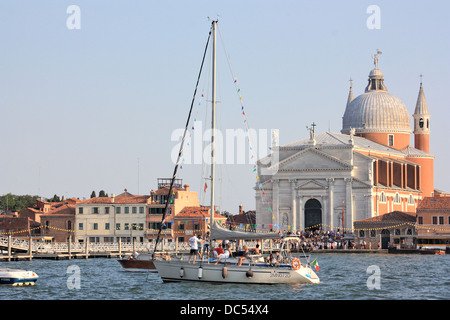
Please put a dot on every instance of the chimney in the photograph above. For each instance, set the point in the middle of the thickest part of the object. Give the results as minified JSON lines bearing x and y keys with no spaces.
{"x":186,"y":187}
{"x":241,"y":209}
{"x":112,"y":198}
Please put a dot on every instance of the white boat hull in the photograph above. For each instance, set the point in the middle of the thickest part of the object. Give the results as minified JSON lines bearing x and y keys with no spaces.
{"x":176,"y":271}
{"x":17,"y":277}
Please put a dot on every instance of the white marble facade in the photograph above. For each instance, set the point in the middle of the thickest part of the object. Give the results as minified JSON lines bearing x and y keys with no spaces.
{"x":326,"y":168}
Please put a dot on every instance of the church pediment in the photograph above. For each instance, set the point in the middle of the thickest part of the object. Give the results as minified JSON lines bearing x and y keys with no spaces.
{"x":312,"y":184}
{"x":311,"y":159}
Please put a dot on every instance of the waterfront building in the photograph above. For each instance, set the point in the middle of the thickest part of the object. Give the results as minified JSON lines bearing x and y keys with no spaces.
{"x":433,"y":222}
{"x":106,"y":219}
{"x":391,"y":229}
{"x":368,"y":169}
{"x":42,"y":207}
{"x":17,"y":226}
{"x":193,"y":220}
{"x":181,"y":197}
{"x":244,"y":221}
{"x":58,"y":224}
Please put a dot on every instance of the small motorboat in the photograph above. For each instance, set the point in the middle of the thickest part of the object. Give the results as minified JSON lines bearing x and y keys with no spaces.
{"x":143,"y":262}
{"x":432,"y":251}
{"x":18,"y":277}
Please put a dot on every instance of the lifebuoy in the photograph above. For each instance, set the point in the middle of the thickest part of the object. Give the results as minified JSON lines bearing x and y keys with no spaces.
{"x":296,"y":264}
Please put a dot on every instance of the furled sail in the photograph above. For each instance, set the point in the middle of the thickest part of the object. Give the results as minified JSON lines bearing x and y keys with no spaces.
{"x":218,"y":232}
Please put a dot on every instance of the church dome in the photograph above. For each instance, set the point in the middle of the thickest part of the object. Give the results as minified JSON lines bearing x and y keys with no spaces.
{"x":376,"y":110}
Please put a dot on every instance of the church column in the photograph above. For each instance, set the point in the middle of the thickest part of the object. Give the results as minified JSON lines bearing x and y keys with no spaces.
{"x":294,"y":204}
{"x":330,"y":203}
{"x":405,"y":175}
{"x":300,"y":213}
{"x":348,"y":204}
{"x":275,"y":204}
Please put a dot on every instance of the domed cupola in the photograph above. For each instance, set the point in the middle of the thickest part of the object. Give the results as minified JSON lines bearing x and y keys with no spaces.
{"x":377,"y":114}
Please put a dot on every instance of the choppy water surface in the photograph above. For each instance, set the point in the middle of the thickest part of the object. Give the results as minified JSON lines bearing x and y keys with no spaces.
{"x":343,"y":276}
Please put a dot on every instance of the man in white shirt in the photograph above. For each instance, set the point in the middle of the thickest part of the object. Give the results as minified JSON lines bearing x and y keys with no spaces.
{"x":194,"y":241}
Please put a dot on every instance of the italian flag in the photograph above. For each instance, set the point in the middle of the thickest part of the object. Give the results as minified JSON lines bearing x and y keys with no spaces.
{"x":315,"y":264}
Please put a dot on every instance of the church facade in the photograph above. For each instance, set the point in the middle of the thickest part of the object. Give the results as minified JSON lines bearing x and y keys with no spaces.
{"x":368,"y":169}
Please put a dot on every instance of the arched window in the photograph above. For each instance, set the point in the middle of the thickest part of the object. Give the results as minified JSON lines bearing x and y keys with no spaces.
{"x":397,"y":198}
{"x":421,"y":123}
{"x":428,"y":123}
{"x":383,"y":197}
{"x":411,"y":200}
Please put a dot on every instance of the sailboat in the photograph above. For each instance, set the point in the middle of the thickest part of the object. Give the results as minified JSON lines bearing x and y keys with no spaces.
{"x":254,"y":269}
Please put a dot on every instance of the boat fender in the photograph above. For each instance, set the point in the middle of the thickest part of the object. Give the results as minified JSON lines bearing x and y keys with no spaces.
{"x":181,"y":272}
{"x":200,"y":272}
{"x":224,"y":272}
{"x":296,"y":263}
{"x":249,"y":274}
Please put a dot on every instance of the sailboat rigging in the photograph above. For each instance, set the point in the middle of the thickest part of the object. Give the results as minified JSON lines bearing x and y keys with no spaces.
{"x":255,"y":269}
{"x":169,"y":197}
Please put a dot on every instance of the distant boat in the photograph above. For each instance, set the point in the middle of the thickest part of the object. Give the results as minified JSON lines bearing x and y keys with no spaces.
{"x":255,"y":269}
{"x":432,"y":251}
{"x":17,"y":277}
{"x":143,"y":262}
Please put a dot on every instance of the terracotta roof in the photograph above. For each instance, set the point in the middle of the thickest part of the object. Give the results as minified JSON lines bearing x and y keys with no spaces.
{"x":391,"y":217}
{"x":125,"y":194}
{"x":67,"y":209}
{"x":117,"y":200}
{"x":197,"y":212}
{"x":434,"y":204}
{"x":248,"y":217}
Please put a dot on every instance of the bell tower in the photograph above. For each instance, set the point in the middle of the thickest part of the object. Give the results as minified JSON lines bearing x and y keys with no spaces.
{"x":421,"y":123}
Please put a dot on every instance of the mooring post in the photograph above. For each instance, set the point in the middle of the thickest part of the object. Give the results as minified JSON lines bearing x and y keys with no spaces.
{"x":9,"y":247}
{"x":30,"y":246}
{"x":120,"y":246}
{"x":87,"y":248}
{"x":69,"y":244}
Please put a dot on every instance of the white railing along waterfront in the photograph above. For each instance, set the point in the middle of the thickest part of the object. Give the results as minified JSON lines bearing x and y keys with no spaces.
{"x":40,"y":247}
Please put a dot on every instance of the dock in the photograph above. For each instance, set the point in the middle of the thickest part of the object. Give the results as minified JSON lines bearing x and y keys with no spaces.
{"x":19,"y":249}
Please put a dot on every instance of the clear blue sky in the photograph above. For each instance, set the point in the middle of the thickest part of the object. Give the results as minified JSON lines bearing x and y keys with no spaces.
{"x":79,"y":109}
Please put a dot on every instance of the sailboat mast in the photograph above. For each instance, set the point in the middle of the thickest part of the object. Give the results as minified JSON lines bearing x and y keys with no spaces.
{"x":213,"y":116}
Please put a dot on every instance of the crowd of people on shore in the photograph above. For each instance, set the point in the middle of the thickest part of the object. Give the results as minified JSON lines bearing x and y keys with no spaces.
{"x":319,"y":239}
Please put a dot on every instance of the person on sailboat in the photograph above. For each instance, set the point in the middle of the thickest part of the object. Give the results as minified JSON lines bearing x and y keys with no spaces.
{"x":278,"y":258}
{"x":256,"y":250}
{"x":194,"y":241}
{"x":206,"y":242}
{"x":226,"y":254}
{"x":244,"y":256}
{"x":217,"y":251}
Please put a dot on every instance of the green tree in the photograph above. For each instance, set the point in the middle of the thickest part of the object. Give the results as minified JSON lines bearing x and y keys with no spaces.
{"x":54,"y":199}
{"x":102,"y":193}
{"x":93,"y":194}
{"x":12,"y":202}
